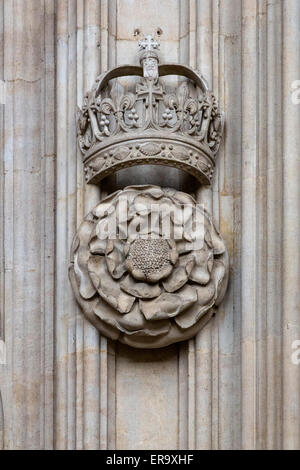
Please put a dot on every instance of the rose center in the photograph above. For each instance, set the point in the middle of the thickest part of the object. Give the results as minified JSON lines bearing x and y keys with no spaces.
{"x":149,"y":256}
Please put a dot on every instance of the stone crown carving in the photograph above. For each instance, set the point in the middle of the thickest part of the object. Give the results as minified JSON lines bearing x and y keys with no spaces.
{"x":157,"y":123}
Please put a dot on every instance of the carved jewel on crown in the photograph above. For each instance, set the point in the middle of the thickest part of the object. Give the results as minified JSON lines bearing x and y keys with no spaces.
{"x":159,"y":123}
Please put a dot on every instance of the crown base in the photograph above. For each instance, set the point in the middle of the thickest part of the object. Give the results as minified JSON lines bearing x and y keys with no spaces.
{"x":149,"y":150}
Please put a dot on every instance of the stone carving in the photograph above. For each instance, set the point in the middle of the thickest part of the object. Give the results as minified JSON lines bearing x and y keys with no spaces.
{"x":183,"y":118}
{"x":149,"y":58}
{"x":148,"y":266}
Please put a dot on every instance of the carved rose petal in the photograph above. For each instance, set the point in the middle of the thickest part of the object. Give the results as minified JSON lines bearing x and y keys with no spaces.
{"x":140,"y":289}
{"x":173,"y":252}
{"x":133,"y":320}
{"x":115,"y":258}
{"x":103,"y":229}
{"x":183,"y":198}
{"x":139,"y":225}
{"x":206,"y":297}
{"x":214,"y":240}
{"x":106,"y":204}
{"x":97,"y":246}
{"x":143,"y":203}
{"x":107,"y":287}
{"x":164,"y":340}
{"x":183,"y":247}
{"x":192,"y":315}
{"x":81,"y":256}
{"x":168,"y":305}
{"x":155,"y":191}
{"x":122,"y":210}
{"x":176,"y":280}
{"x":134,"y":323}
{"x":206,"y":293}
{"x":220,"y":276}
{"x":179,"y":215}
{"x":106,"y":313}
{"x":180,"y":274}
{"x":88,"y":306}
{"x":203,"y":265}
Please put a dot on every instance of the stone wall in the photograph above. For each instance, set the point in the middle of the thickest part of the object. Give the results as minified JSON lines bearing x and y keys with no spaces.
{"x":233,"y":386}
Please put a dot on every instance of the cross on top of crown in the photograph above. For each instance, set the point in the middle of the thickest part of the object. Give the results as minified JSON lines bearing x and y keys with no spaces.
{"x":149,"y":43}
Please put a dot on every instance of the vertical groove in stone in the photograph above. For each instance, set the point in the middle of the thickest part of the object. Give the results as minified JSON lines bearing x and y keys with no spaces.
{"x":274,"y":222}
{"x":215,"y":85}
{"x":70,"y":160}
{"x":93,"y":387}
{"x":104,"y":18}
{"x":109,"y":357}
{"x":261,"y":249}
{"x":250,"y":145}
{"x":184,"y":44}
{"x":107,"y":348}
{"x":80,"y":214}
{"x":192,"y":395}
{"x":66,"y":172}
{"x":8,"y":227}
{"x":183,"y":396}
{"x":48,"y":222}
{"x":291,"y":222}
{"x":203,"y":341}
{"x":112,"y":33}
{"x":29,"y":223}
{"x":228,"y":194}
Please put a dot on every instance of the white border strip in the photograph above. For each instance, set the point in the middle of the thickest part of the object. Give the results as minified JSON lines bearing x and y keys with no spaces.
{"x":2,"y":353}
{"x":2,"y":92}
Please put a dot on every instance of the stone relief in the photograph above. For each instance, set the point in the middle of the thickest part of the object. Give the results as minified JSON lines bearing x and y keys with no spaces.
{"x":184,"y":122}
{"x":135,"y":284}
{"x":148,"y":267}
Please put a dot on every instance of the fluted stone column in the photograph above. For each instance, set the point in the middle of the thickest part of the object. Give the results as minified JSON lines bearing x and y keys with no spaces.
{"x":27,"y":223}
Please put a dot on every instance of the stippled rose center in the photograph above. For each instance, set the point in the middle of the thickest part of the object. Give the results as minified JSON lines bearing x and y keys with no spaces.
{"x":149,"y":256}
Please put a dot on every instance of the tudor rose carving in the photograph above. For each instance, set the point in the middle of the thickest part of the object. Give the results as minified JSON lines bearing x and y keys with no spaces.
{"x":139,"y":286}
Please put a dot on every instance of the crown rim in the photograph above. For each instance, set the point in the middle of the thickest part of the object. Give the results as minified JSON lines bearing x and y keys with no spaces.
{"x":154,"y":149}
